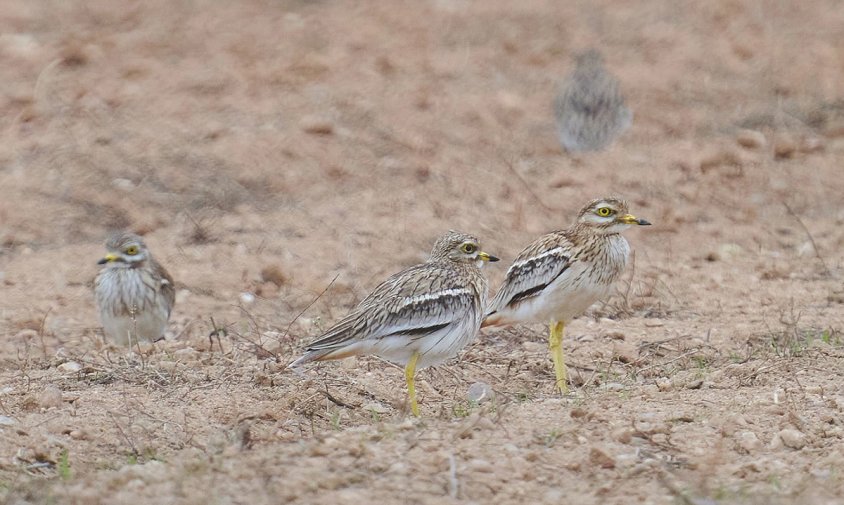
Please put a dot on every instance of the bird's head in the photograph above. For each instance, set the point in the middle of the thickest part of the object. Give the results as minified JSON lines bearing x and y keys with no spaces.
{"x":125,"y":250}
{"x":460,"y":248}
{"x":608,"y":216}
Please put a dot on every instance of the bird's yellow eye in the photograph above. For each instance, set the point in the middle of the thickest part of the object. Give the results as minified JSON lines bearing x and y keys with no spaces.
{"x":468,"y":248}
{"x":131,"y":250}
{"x":604,"y":211}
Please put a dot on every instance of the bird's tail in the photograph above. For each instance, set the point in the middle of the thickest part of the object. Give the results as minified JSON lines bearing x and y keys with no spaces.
{"x":322,"y":355}
{"x":492,"y":319}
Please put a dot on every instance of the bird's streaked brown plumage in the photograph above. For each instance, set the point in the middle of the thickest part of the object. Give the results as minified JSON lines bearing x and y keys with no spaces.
{"x":559,"y":275}
{"x":589,"y":108}
{"x":419,"y":317}
{"x":134,"y":293}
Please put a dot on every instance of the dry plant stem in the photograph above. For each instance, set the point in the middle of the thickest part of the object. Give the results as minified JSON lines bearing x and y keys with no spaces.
{"x":793,"y":214}
{"x":41,"y":332}
{"x":527,"y":185}
{"x":287,"y":330}
{"x":335,"y":401}
{"x":126,"y":438}
{"x":453,"y":482}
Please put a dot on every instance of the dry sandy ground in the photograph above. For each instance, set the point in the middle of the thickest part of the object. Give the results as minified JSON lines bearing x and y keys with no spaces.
{"x":282,"y":157}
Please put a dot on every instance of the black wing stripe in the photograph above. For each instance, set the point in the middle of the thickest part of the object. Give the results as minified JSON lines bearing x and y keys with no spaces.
{"x":534,"y":290}
{"x":418,"y":332}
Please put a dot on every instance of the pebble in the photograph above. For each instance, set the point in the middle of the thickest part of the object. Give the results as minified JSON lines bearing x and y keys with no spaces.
{"x":247,"y":298}
{"x":694,"y":384}
{"x":748,"y":441}
{"x":533,"y":346}
{"x":20,"y":45}
{"x":480,"y":392}
{"x":273,"y":274}
{"x":187,"y":354}
{"x":626,"y":353}
{"x":664,"y":384}
{"x":811,"y":145}
{"x":123,"y":184}
{"x":623,"y":435}
{"x":751,"y":139}
{"x":316,"y":125}
{"x":480,"y":465}
{"x":79,"y":435}
{"x":51,"y":396}
{"x":69,"y":367}
{"x":6,"y":421}
{"x":785,"y":147}
{"x":376,"y":407}
{"x":792,"y":438}
{"x":600,"y":458}
{"x":719,"y":158}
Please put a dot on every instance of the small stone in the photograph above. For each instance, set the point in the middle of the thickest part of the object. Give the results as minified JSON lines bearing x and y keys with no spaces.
{"x":316,"y":125}
{"x":79,"y":435}
{"x":601,"y":459}
{"x":554,"y":496}
{"x":623,"y":435}
{"x":376,"y":408}
{"x":273,"y":274}
{"x":811,"y":145}
{"x":719,"y":158}
{"x":20,"y":45}
{"x":533,"y":346}
{"x":664,"y":384}
{"x":480,"y":392}
{"x":625,"y":352}
{"x":792,"y":438}
{"x":480,"y":465}
{"x":123,"y":184}
{"x":751,"y":139}
{"x":6,"y":421}
{"x":730,"y":250}
{"x":577,"y":413}
{"x":785,"y":147}
{"x":50,"y":396}
{"x":169,"y":366}
{"x":187,"y":354}
{"x":694,"y":384}
{"x":247,"y":298}
{"x":748,"y":441}
{"x":69,"y":367}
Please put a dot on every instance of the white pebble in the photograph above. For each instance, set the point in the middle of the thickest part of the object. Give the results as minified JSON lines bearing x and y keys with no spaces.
{"x":480,"y":392}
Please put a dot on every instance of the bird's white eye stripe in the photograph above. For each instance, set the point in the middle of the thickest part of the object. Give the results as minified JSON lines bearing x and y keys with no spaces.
{"x":434,"y":296}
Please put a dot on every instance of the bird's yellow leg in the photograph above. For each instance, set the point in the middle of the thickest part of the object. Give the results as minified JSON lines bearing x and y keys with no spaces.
{"x":409,"y":373}
{"x":555,"y":344}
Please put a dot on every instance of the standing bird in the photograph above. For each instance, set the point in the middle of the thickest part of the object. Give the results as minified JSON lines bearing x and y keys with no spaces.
{"x":419,"y":317}
{"x":134,"y":293}
{"x":559,"y":275}
{"x":590,"y":109}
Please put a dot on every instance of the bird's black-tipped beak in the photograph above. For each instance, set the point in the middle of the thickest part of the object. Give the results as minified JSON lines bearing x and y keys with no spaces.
{"x":108,"y":258}
{"x":631,"y":219}
{"x":487,"y":257}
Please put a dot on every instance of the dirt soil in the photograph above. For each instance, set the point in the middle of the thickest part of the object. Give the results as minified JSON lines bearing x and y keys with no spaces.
{"x":283,"y":157}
